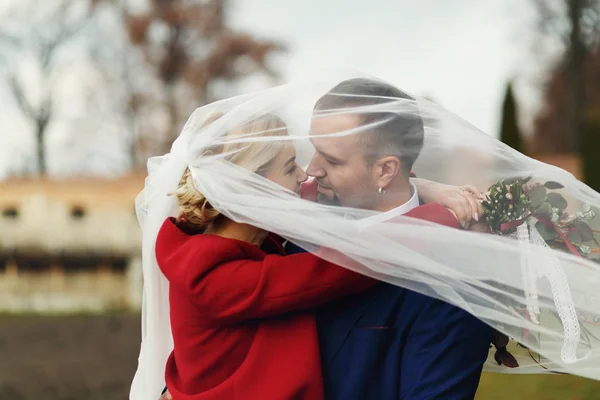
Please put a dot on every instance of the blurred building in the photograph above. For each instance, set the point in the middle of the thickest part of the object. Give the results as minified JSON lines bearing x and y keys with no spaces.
{"x":70,"y":245}
{"x":75,"y":244}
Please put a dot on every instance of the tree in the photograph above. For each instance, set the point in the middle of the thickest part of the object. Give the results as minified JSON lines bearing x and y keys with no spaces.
{"x":551,"y":125}
{"x":576,"y":23}
{"x":509,"y":130}
{"x":187,"y":47}
{"x":143,"y":73}
{"x":40,"y":30}
{"x":591,"y":144}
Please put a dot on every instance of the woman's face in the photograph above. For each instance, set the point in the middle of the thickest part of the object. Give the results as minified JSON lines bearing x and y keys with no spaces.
{"x":285,"y":172}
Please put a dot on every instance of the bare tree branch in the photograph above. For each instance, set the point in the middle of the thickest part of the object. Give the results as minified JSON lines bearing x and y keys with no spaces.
{"x":197,"y":50}
{"x":66,"y":33}
{"x":37,"y":39}
{"x":551,"y":19}
{"x":20,"y":97}
{"x":7,"y":39}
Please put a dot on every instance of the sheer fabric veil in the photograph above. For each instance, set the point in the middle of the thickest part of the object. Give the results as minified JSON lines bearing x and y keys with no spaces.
{"x":547,"y":299}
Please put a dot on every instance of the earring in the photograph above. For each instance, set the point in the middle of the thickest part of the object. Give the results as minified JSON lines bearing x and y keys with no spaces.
{"x":381,"y":191}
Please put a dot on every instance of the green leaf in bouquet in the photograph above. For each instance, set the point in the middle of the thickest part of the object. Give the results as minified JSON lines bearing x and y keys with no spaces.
{"x":585,"y":250}
{"x":557,"y":201}
{"x":553,"y":185}
{"x":526,"y":180}
{"x":575,"y":237}
{"x":584,"y":230}
{"x":537,"y":195}
{"x":545,"y":232}
{"x":544,"y":210}
{"x":517,"y":191}
{"x":499,"y":339}
{"x":558,"y":245}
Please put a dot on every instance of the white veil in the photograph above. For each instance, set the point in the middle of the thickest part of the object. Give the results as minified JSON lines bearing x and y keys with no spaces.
{"x":544,"y":298}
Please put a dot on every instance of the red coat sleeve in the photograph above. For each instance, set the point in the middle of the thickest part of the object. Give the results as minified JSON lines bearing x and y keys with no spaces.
{"x":242,"y":289}
{"x":237,"y":290}
{"x":434,"y":213}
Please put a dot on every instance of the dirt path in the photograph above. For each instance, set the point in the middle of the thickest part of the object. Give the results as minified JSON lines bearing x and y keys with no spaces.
{"x":94,"y":358}
{"x":68,"y":358}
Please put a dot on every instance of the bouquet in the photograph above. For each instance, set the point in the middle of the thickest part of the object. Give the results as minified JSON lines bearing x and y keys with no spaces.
{"x":510,"y":203}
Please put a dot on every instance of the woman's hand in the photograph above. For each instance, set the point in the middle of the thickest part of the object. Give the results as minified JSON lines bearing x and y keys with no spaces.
{"x":463,"y":201}
{"x":166,"y":396}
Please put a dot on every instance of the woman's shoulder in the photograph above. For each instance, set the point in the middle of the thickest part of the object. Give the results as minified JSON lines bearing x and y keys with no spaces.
{"x":181,"y":256}
{"x":172,"y":231}
{"x":172,"y":238}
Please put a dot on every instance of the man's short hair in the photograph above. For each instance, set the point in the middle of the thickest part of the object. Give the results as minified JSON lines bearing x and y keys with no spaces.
{"x":402,"y":132}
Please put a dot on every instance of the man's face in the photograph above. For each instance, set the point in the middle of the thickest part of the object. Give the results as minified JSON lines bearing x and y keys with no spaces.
{"x":339,"y":164}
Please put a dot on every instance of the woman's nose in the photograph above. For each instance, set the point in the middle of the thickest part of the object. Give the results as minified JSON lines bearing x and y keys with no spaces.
{"x":302,"y":175}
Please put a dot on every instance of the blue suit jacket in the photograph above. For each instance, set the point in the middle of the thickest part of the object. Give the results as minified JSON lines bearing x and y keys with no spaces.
{"x":394,"y":343}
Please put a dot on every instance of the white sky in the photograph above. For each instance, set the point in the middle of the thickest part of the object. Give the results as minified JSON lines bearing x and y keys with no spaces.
{"x":460,"y":53}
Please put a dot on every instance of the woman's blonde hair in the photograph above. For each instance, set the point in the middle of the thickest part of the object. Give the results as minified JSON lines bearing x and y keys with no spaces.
{"x":195,"y":212}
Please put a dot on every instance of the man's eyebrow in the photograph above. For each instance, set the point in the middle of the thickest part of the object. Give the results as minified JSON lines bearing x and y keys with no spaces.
{"x":329,"y":156}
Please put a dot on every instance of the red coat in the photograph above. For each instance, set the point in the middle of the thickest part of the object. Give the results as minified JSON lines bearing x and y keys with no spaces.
{"x":240,"y":317}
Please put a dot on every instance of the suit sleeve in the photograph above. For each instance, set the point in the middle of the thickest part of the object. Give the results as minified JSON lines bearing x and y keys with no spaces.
{"x":446,"y":347}
{"x":444,"y":354}
{"x":243,"y":289}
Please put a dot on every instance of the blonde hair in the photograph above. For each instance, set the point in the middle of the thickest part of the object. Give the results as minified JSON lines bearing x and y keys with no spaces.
{"x":195,"y":212}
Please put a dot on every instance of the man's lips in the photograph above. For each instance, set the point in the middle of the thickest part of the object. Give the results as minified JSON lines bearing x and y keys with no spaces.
{"x":321,"y":186}
{"x":322,"y":189}
{"x":327,"y":193}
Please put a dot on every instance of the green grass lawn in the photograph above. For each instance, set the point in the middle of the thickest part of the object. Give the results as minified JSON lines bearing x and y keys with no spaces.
{"x":537,"y":387}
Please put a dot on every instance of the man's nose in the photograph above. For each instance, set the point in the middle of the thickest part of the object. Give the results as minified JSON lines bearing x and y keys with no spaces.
{"x":314,"y":168}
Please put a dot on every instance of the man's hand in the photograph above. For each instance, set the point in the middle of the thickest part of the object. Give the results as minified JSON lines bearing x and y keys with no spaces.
{"x":166,"y":396}
{"x":463,"y":201}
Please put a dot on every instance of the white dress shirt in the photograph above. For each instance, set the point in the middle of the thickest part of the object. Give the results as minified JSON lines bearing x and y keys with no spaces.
{"x":413,"y":202}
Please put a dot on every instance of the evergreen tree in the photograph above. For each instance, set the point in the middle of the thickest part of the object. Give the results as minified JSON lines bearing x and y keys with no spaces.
{"x":589,"y":155}
{"x":509,"y":130}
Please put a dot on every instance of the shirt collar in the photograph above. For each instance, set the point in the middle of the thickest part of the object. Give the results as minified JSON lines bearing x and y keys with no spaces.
{"x":413,"y":202}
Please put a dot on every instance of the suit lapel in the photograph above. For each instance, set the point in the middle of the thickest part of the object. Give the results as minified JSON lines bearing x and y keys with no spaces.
{"x":336,"y":322}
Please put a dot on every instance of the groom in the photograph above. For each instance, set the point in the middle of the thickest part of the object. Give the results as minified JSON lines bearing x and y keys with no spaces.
{"x":389,"y":342}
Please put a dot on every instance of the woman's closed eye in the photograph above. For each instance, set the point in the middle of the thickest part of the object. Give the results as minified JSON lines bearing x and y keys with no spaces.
{"x":291,"y":170}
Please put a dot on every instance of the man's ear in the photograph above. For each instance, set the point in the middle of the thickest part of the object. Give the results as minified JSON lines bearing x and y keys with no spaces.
{"x":386,"y":169}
